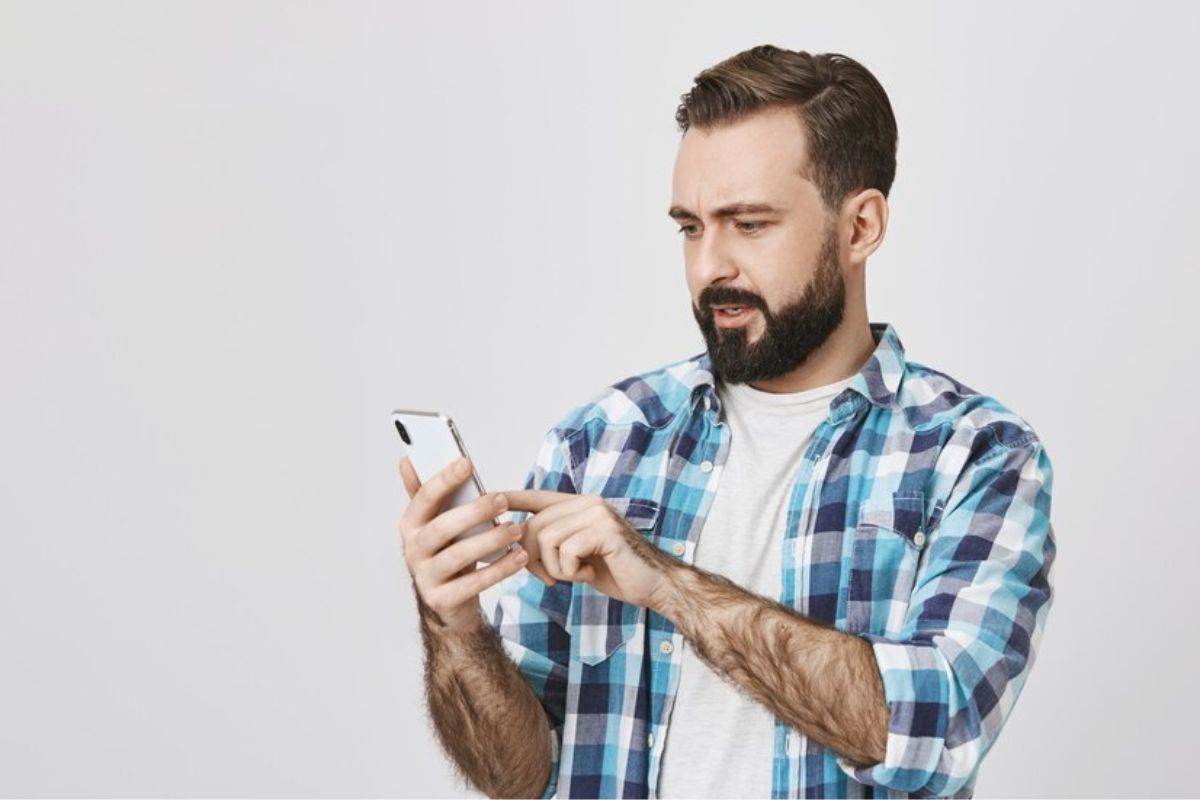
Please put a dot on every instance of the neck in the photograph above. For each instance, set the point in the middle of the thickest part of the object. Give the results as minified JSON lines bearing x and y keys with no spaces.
{"x":842,"y":355}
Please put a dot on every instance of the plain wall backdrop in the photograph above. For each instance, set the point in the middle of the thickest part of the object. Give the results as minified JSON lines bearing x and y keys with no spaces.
{"x":234,"y":236}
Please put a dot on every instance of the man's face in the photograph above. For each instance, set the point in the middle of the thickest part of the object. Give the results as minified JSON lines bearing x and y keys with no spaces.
{"x":780,"y":263}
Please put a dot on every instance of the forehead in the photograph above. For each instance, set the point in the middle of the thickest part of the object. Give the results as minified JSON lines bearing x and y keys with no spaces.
{"x":759,"y":157}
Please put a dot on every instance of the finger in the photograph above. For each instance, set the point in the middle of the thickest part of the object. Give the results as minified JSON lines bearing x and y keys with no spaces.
{"x":572,"y":552}
{"x":470,"y":551}
{"x":452,"y":522}
{"x":560,"y":510}
{"x":409,"y":475}
{"x":430,"y":498}
{"x":529,"y":542}
{"x":536,"y":523}
{"x":461,"y":590}
{"x":551,"y":538}
{"x":536,"y":499}
{"x":539,"y":569}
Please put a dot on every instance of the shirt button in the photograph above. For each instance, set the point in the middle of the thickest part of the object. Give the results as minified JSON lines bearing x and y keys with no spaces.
{"x":707,"y":402}
{"x":678,"y":548}
{"x":919,"y":538}
{"x":706,"y":466}
{"x":666,"y":647}
{"x":650,"y":740}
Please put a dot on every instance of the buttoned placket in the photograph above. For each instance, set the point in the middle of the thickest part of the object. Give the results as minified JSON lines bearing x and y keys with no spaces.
{"x":668,"y":654}
{"x":811,"y":476}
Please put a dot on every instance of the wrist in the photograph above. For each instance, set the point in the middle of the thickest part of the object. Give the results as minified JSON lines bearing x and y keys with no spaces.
{"x":465,"y":620}
{"x":667,"y":592}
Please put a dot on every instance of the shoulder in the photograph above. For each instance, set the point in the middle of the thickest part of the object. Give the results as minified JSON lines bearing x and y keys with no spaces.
{"x":652,"y":398}
{"x":933,"y":400}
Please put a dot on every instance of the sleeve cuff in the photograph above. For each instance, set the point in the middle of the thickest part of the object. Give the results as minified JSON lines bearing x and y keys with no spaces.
{"x":916,"y":680}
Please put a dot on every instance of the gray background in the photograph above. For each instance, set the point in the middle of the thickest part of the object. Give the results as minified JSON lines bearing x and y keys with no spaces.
{"x":234,"y":236}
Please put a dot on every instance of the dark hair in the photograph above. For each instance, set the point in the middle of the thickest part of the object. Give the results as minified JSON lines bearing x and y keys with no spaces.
{"x":849,"y":121}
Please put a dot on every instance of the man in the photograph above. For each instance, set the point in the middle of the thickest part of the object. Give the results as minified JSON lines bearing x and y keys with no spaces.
{"x":797,"y":564}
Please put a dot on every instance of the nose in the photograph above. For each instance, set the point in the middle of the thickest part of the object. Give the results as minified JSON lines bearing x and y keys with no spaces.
{"x":708,"y":258}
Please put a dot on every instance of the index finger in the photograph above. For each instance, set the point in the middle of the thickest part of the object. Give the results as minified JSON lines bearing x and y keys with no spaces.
{"x":536,"y":500}
{"x":409,"y":475}
{"x":430,"y":498}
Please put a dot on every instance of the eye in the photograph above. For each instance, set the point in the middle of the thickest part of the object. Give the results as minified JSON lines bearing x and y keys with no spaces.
{"x":685,"y":230}
{"x":757,"y":226}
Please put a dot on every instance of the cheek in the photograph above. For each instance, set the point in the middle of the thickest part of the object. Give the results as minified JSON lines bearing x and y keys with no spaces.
{"x":787,"y":267}
{"x":694,"y":286}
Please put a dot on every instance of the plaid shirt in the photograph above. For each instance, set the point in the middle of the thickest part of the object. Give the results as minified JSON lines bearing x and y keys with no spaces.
{"x":919,"y":520}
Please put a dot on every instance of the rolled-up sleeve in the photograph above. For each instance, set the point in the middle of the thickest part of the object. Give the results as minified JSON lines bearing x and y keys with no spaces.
{"x":975,"y":619}
{"x":531,"y":617}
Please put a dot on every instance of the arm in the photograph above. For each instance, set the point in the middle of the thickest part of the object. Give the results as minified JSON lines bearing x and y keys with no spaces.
{"x":817,"y":679}
{"x":485,"y":714}
{"x":949,"y":681}
{"x":975,"y":621}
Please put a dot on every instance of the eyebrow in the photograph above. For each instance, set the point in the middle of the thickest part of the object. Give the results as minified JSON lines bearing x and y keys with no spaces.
{"x":733,"y":209}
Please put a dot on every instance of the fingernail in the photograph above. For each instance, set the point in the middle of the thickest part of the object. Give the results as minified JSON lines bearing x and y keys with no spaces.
{"x":522,"y":556}
{"x":462,"y":468}
{"x":500,"y":502}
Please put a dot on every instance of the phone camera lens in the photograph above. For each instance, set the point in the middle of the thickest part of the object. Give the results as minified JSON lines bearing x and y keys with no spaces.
{"x":403,"y":433}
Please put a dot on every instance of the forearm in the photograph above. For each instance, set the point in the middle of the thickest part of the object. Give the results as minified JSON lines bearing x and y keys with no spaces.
{"x":817,"y":679}
{"x":483,"y":711}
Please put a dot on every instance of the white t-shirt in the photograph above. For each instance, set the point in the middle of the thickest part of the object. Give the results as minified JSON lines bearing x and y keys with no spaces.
{"x":720,"y":742}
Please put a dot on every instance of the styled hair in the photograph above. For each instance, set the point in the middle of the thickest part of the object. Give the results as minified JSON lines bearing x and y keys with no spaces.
{"x":851,"y":131}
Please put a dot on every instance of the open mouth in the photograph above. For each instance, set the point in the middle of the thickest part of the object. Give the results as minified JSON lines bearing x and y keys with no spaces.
{"x":732,"y":315}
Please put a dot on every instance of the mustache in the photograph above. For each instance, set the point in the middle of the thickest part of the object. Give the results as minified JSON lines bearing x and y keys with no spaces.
{"x":729,"y":296}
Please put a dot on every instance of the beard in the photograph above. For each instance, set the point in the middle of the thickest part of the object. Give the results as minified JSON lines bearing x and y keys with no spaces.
{"x":791,"y":335}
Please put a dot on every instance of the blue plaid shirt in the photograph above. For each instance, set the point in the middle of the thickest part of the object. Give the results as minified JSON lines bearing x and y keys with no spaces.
{"x":919,"y":521}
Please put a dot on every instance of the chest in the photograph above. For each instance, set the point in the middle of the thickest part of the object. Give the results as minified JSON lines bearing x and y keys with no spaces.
{"x":837,"y":529}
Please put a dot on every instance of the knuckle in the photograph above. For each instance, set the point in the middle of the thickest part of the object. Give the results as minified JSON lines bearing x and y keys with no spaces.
{"x":424,"y":590}
{"x":443,"y":559}
{"x":432,"y":530}
{"x":449,"y":477}
{"x":420,"y":573}
{"x":437,"y":603}
{"x":479,"y":581}
{"x":408,"y":529}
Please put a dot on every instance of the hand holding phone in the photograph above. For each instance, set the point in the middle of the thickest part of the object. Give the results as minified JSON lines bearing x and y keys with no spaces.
{"x":443,"y":546}
{"x":431,"y":441}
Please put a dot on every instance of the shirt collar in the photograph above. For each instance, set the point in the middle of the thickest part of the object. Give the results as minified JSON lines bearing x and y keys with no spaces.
{"x":877,"y":381}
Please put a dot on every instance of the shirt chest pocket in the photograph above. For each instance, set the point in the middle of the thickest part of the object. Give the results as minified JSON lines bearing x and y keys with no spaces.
{"x":599,"y":624}
{"x":886,"y":551}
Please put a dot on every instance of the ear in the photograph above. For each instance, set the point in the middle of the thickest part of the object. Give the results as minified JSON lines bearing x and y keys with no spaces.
{"x":867,"y":216}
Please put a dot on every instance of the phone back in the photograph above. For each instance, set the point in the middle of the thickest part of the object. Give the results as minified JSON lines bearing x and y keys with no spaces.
{"x":432,"y":444}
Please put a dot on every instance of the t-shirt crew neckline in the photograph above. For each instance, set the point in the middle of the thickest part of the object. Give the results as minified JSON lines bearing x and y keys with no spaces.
{"x":745,"y":395}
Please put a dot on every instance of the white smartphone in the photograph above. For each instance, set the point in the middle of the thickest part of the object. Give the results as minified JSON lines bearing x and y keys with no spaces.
{"x":431,"y":443}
